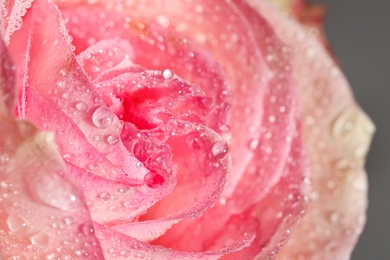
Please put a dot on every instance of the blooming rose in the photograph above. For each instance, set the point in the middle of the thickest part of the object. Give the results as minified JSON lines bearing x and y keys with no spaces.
{"x":181,"y":129}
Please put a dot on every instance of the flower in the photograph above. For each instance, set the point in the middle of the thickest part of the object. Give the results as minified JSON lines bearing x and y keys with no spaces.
{"x":174,"y":130}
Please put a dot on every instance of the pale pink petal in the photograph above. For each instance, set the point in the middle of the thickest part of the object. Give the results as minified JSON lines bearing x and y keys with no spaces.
{"x":337,"y":136}
{"x":42,"y":213}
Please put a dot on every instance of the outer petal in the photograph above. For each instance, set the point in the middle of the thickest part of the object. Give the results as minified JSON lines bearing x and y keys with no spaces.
{"x":42,"y":213}
{"x":337,"y":135}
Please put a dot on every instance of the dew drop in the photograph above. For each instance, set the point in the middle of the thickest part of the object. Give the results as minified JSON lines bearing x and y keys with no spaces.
{"x":40,"y":239}
{"x":87,"y":229}
{"x":335,"y":217}
{"x":220,"y":149}
{"x":124,"y":252}
{"x":16,"y":223}
{"x":102,"y":117}
{"x":134,"y":204}
{"x":224,"y":128}
{"x":52,"y":191}
{"x":81,"y":106}
{"x":167,"y":74}
{"x":104,"y":195}
{"x":343,"y":123}
{"x":253,"y":144}
{"x":68,"y":221}
{"x":112,"y":139}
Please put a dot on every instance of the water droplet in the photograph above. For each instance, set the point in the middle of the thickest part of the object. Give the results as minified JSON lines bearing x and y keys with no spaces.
{"x":68,"y":221}
{"x":102,"y":117}
{"x":112,"y":139}
{"x":335,"y":217}
{"x":220,"y":149}
{"x":343,"y":123}
{"x":271,"y":119}
{"x":253,"y":144}
{"x":16,"y":223}
{"x":140,"y":255}
{"x":124,"y":252}
{"x":81,"y":106}
{"x":40,"y":239}
{"x":4,"y":158}
{"x":104,"y":195}
{"x":167,"y":74}
{"x":52,"y":190}
{"x":224,"y":128}
{"x":200,"y":128}
{"x":87,"y":229}
{"x":133,"y":204}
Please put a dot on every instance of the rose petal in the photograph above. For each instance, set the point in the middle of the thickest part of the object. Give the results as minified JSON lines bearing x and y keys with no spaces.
{"x":12,"y":13}
{"x":210,"y":30}
{"x":7,"y":82}
{"x":109,"y":202}
{"x":156,"y":48}
{"x":249,"y":86}
{"x":42,"y":213}
{"x":68,"y":87}
{"x":118,"y":246}
{"x":337,"y":135}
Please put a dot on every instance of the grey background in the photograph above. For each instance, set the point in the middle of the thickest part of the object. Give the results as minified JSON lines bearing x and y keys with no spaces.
{"x":359,"y":32}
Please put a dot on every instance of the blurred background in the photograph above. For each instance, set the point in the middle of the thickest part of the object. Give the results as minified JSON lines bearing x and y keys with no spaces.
{"x":359,"y":33}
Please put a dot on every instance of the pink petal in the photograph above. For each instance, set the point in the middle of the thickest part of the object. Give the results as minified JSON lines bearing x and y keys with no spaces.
{"x":118,"y":246}
{"x":7,"y":82}
{"x":151,"y":101}
{"x":249,"y":80}
{"x":68,"y":88}
{"x":337,"y":135}
{"x":251,"y":88}
{"x":159,"y":48}
{"x":108,"y":202}
{"x":42,"y":213}
{"x":12,"y":14}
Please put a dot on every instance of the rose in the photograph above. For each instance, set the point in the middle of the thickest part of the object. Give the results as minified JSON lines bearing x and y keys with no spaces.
{"x":158,"y":143}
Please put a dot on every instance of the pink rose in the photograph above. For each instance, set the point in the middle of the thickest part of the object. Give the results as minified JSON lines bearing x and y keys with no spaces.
{"x":179,"y":129}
